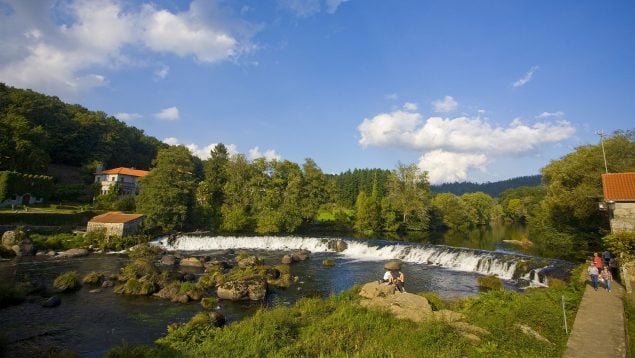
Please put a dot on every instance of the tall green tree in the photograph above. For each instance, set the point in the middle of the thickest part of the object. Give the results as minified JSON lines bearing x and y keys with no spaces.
{"x":573,"y":187}
{"x":408,"y":192}
{"x":23,"y":146}
{"x":237,"y":194}
{"x":450,"y":210}
{"x":315,"y":189}
{"x":167,"y":193}
{"x":210,"y":193}
{"x":479,"y":207}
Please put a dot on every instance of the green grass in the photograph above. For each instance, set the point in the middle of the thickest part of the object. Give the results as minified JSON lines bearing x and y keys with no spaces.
{"x":339,"y":326}
{"x":59,"y":241}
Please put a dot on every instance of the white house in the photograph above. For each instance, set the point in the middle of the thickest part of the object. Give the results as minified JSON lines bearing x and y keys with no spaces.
{"x":126,"y":178}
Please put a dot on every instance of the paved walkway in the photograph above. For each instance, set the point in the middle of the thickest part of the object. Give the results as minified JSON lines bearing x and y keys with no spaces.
{"x":598,"y":330}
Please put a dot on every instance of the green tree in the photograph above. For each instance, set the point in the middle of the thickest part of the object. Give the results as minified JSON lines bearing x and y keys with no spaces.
{"x":479,"y":207}
{"x":167,"y":193}
{"x":315,"y":190}
{"x":451,"y":210}
{"x":573,"y":186}
{"x":23,"y":146}
{"x":210,"y":194}
{"x":408,"y":192}
{"x":237,"y":198}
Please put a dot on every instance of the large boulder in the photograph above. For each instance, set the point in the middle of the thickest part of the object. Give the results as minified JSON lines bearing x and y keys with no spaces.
{"x":338,"y":245}
{"x":393,"y":265}
{"x":18,"y":241}
{"x":167,"y":260}
{"x":402,"y":305}
{"x":248,"y":261}
{"x":252,"y":289}
{"x":191,"y":262}
{"x":300,"y":255}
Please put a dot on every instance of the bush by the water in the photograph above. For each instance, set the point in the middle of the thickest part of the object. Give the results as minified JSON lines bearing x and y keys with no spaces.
{"x":490,"y":282}
{"x":93,"y":278}
{"x":59,"y":241}
{"x":328,"y":262}
{"x":11,"y":294}
{"x":67,"y":281}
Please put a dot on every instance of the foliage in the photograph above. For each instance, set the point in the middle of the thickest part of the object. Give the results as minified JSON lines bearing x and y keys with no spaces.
{"x":573,"y":186}
{"x":93,"y":278}
{"x":167,"y":192}
{"x":14,"y":184}
{"x":493,"y":189}
{"x":38,"y":130}
{"x":449,"y":211}
{"x":145,"y":250}
{"x":349,"y":184}
{"x":67,"y":281}
{"x":489,"y":282}
{"x":408,"y":194}
{"x":520,"y":203}
{"x":479,"y":208}
{"x":621,"y":244}
{"x":59,"y":241}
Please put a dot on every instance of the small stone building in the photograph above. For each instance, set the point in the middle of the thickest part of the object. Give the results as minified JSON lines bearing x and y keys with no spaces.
{"x":619,"y":200}
{"x":116,"y":223}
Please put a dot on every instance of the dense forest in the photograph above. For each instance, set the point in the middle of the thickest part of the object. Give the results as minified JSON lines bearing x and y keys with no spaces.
{"x":40,"y":130}
{"x":493,"y":189}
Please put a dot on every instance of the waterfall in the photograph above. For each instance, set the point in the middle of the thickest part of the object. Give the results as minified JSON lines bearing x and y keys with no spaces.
{"x":504,"y":265}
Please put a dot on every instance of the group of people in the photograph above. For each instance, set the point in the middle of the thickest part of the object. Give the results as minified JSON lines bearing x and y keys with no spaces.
{"x":398,"y":281}
{"x":600,"y":268}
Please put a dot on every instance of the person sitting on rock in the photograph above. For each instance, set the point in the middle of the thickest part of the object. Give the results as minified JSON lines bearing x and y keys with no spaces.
{"x":388,"y":278}
{"x":399,"y":282}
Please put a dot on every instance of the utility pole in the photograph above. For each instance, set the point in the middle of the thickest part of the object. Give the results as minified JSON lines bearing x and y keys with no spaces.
{"x":602,"y":135}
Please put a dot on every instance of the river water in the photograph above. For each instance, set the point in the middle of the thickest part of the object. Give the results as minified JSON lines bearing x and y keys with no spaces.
{"x":92,"y":323}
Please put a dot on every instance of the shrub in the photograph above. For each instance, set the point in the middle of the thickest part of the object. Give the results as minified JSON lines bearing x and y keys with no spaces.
{"x":145,"y":250}
{"x":490,"y":282}
{"x":67,"y":281}
{"x":137,"y":268}
{"x":557,"y":283}
{"x":328,"y":262}
{"x":208,"y":303}
{"x":435,"y":301}
{"x":141,"y":287}
{"x":93,"y":278}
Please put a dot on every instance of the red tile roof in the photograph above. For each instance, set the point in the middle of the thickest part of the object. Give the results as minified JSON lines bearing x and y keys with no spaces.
{"x":619,"y":186}
{"x":125,"y":171}
{"x":115,"y":217}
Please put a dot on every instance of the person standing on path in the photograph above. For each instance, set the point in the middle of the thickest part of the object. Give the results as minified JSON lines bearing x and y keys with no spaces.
{"x":593,"y":272}
{"x":597,"y":261}
{"x":606,"y":278}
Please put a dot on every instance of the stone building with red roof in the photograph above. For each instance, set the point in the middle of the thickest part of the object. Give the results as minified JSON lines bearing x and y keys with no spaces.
{"x":116,"y":223}
{"x":126,"y":178}
{"x":619,"y":195}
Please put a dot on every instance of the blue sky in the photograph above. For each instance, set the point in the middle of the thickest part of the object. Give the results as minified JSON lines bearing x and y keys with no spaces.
{"x":467,"y":90}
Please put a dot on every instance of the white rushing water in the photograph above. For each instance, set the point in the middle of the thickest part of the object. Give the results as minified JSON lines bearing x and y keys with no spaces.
{"x":454,"y":258}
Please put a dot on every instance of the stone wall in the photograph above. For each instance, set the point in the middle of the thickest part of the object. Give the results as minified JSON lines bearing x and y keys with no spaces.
{"x":623,"y":218}
{"x":112,"y":229}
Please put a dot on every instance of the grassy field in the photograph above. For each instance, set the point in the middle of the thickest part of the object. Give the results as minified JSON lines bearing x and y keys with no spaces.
{"x":340,"y":327}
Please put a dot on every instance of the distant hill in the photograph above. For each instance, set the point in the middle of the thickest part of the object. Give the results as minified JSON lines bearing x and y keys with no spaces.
{"x":42,"y":134}
{"x":491,"y":188}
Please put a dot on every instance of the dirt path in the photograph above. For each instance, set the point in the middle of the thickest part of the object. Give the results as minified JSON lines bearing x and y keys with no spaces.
{"x":598,"y":330}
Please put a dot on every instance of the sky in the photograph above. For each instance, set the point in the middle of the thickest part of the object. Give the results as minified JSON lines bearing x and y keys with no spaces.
{"x":466,"y":90}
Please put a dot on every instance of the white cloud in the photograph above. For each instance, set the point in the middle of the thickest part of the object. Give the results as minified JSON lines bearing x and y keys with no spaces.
{"x":332,"y":5}
{"x":302,"y":8}
{"x":446,"y":167}
{"x":526,"y":78}
{"x":558,"y":114}
{"x":470,"y":141}
{"x":270,"y":154}
{"x":162,"y":71}
{"x":462,"y":134}
{"x":201,"y":152}
{"x":128,"y":116}
{"x":171,"y":141}
{"x":170,"y":114}
{"x":66,"y":58}
{"x":444,"y":105}
{"x":409,"y":106}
